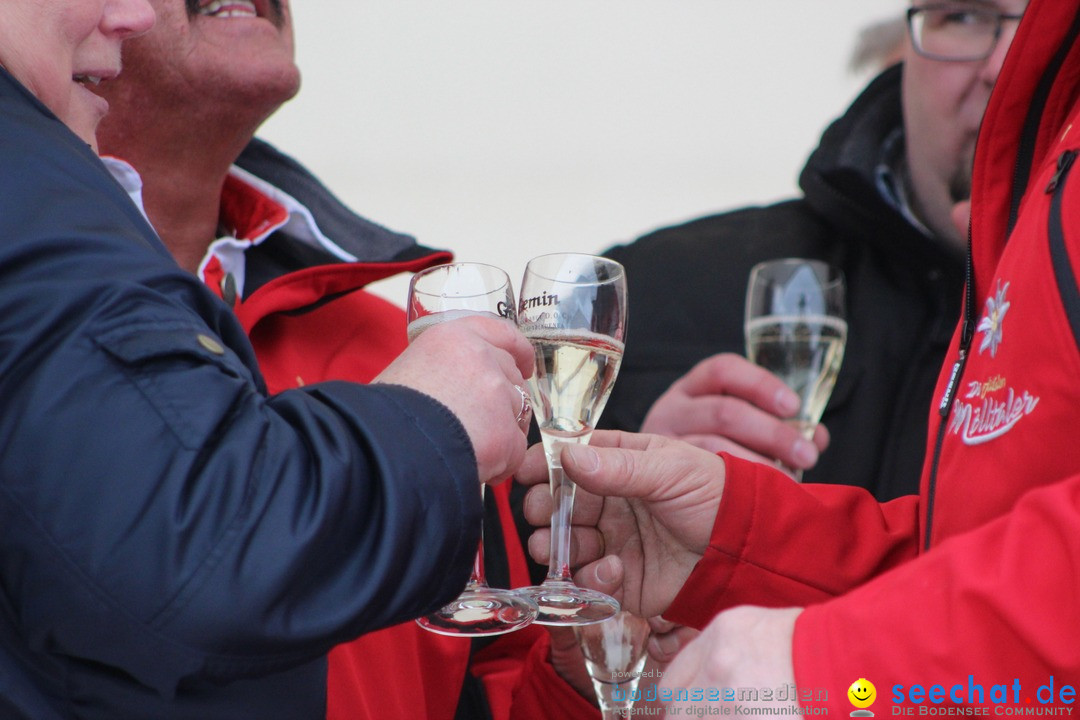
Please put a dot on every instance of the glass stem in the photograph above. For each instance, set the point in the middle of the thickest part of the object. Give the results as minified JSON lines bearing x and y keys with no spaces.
{"x":562,"y":496}
{"x":477,"y":578}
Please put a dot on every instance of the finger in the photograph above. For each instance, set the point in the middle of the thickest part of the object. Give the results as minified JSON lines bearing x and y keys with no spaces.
{"x":537,"y":506}
{"x":517,"y":444}
{"x":586,"y":546}
{"x":960,"y":215}
{"x":730,"y":417}
{"x":659,"y":625}
{"x":605,"y":575}
{"x":822,"y":437}
{"x":539,"y":546}
{"x":801,"y":455}
{"x":533,"y":469}
{"x":685,"y":667}
{"x":507,"y":337}
{"x":562,"y":639}
{"x":715,"y":444}
{"x":737,"y":426}
{"x":663,"y":647}
{"x":524,"y":409}
{"x":731,"y":374}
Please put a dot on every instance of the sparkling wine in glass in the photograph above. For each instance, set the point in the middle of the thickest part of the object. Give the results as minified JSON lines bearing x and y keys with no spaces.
{"x":615,"y":658}
{"x":795,"y":328}
{"x":573,"y":311}
{"x":440,"y":294}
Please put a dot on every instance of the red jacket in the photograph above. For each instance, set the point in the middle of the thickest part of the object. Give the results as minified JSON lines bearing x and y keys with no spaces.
{"x":317,"y":323}
{"x":973,"y":583}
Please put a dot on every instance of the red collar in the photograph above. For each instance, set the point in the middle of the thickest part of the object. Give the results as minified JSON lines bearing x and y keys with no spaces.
{"x":246,"y":213}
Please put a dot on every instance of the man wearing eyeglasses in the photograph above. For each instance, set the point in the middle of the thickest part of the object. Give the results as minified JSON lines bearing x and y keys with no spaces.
{"x":884,"y":198}
{"x":958,"y":49}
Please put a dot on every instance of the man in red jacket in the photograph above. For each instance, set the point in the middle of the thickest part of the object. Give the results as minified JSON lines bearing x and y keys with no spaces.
{"x":292,"y":261}
{"x":960,"y":600}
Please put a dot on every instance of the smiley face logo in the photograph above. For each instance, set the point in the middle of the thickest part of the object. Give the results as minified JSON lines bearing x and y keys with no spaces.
{"x":862,"y":693}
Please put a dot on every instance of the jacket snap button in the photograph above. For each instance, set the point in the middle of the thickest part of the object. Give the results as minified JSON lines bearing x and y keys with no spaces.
{"x":228,"y":289}
{"x":210,"y":344}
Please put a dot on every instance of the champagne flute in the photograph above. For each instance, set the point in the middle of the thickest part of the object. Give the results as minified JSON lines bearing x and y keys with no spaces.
{"x":441,"y":294}
{"x":615,"y":658}
{"x":795,"y":328}
{"x":573,"y":311}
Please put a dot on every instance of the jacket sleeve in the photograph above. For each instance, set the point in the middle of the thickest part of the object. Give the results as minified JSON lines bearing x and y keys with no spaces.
{"x":778,"y":543}
{"x":991,"y":607}
{"x":159,"y":513}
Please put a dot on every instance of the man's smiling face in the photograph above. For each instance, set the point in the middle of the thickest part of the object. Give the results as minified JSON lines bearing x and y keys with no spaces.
{"x":216,"y":54}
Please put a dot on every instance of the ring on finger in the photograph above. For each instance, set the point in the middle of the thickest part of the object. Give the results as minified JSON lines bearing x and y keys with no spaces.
{"x":526,"y":406}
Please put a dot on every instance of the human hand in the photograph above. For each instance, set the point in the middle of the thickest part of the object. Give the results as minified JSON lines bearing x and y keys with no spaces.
{"x":668,"y":639}
{"x":960,"y":215}
{"x":568,"y":657}
{"x":726,"y":403}
{"x":472,"y":366}
{"x":655,"y":523}
{"x":742,"y":647}
{"x":568,"y":660}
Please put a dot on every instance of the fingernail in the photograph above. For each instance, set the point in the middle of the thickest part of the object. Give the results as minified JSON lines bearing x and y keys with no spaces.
{"x":787,"y":402}
{"x":805,"y":452}
{"x":584,"y":457}
{"x":607,"y":570}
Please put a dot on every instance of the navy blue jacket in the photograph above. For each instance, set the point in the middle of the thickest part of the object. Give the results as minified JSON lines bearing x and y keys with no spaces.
{"x":173,"y":542}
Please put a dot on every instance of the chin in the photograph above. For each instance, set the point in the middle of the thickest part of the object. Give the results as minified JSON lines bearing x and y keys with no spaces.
{"x":86,"y":130}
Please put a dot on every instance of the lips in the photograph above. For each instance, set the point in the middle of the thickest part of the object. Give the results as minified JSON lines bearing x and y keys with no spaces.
{"x":229,"y":9}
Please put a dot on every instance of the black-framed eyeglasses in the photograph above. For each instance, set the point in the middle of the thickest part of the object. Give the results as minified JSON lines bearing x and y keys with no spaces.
{"x":956,"y":31}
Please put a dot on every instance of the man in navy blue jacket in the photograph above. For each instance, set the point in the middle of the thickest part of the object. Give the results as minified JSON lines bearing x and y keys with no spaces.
{"x":167,"y":528}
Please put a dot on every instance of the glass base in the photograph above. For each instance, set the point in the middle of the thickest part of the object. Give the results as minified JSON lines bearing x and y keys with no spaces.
{"x":481,"y":611}
{"x":564,"y":603}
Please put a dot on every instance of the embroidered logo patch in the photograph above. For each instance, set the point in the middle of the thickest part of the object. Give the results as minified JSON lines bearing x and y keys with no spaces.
{"x":991,"y":323}
{"x":988,"y":409}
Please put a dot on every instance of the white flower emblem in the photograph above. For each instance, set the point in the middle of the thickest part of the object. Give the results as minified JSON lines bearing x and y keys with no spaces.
{"x":996,"y":307}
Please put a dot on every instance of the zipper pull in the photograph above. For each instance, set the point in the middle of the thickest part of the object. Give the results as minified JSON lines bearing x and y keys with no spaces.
{"x":1065,"y":161}
{"x":954,"y":380}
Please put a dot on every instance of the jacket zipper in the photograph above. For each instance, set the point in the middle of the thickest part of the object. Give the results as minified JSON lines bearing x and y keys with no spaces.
{"x":967,"y":333}
{"x":1063,"y":272}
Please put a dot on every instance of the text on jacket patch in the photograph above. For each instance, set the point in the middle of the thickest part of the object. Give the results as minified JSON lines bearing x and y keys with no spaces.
{"x":989,"y":410}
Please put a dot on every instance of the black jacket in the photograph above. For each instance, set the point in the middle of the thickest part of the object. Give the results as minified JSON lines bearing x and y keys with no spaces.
{"x":687,"y":289}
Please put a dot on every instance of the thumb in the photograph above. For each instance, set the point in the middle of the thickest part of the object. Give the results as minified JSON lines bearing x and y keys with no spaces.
{"x":604,"y":470}
{"x":664,"y":470}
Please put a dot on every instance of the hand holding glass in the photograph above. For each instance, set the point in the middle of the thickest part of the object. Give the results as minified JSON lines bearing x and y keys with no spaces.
{"x":795,"y":328}
{"x":442,"y":294}
{"x":573,"y":311}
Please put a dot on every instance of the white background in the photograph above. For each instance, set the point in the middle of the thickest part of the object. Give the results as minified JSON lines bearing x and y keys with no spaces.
{"x":503,"y":129}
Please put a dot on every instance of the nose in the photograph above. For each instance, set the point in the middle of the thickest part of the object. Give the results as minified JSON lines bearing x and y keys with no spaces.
{"x":127,"y":18}
{"x":992,"y":65}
